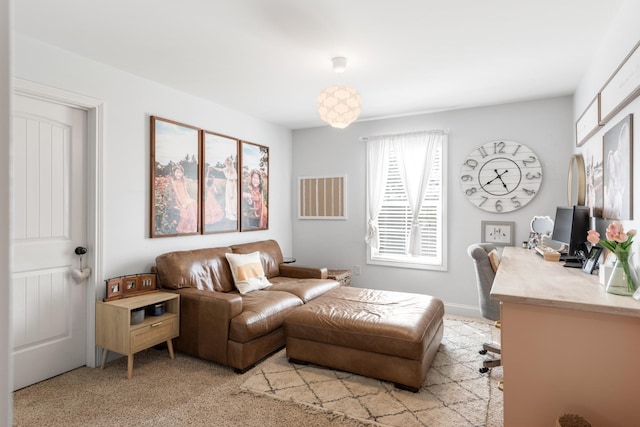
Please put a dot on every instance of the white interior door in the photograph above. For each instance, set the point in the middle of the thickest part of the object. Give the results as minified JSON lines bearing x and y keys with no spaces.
{"x":49,"y":313}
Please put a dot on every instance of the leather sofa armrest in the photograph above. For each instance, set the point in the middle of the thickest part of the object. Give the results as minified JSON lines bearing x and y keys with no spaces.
{"x":300,"y":272}
{"x":204,"y":322}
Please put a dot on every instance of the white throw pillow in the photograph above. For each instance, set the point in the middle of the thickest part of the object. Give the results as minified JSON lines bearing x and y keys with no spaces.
{"x":247,"y":271}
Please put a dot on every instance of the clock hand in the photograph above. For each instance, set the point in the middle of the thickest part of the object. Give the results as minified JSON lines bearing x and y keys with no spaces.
{"x":489,"y":182}
{"x":500,"y":176}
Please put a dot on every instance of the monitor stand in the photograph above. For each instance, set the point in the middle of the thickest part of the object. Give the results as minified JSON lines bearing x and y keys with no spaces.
{"x":571,"y":261}
{"x":573,"y":264}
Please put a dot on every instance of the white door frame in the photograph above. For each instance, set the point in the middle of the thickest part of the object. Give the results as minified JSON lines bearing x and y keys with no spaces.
{"x":95,"y":203}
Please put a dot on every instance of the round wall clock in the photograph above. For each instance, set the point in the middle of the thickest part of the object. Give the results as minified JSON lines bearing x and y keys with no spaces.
{"x":501,"y":176}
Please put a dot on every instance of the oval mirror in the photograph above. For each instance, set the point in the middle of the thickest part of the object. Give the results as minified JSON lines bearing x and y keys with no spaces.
{"x":576,"y":181}
{"x":542,"y":225}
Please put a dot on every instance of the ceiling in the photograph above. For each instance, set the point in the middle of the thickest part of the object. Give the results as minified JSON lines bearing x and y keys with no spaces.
{"x":271,"y":58}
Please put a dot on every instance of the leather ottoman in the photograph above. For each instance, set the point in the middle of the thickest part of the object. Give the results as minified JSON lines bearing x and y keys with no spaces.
{"x":392,"y":336}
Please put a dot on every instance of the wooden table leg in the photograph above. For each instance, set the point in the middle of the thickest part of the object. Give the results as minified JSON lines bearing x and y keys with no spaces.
{"x":105,"y":353}
{"x":170,"y":346}
{"x":130,"y":366}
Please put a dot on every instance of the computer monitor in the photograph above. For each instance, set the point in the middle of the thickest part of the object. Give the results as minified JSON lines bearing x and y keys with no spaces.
{"x":570,"y":227}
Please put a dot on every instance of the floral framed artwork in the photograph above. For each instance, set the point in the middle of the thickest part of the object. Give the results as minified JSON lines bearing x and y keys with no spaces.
{"x":254,"y":186}
{"x":175,"y":178}
{"x":220,"y":183}
{"x":594,"y":179}
{"x":617,"y":170}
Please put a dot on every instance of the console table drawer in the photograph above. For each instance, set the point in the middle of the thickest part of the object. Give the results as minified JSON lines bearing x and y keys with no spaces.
{"x":154,"y":333}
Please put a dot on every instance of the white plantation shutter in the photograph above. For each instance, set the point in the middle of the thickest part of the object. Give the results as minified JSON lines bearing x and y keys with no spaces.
{"x":395,"y":219}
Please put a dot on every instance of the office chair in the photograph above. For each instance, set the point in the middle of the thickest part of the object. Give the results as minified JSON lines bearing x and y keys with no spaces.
{"x":489,"y":308}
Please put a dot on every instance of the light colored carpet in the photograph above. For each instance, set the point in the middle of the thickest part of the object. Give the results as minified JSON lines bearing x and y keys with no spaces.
{"x":193,"y":392}
{"x":454,"y":394}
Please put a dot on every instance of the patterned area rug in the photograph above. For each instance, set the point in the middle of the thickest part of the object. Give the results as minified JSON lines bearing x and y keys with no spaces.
{"x":454,"y":393}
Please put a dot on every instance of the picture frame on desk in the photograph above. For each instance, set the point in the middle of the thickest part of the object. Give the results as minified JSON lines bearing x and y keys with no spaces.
{"x":591,"y":263}
{"x":498,"y":232}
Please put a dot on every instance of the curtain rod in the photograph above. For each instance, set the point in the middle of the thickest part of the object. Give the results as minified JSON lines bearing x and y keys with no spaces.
{"x":435,"y":131}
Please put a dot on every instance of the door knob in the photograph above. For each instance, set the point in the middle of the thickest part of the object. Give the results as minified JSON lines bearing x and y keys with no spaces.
{"x":81,"y":274}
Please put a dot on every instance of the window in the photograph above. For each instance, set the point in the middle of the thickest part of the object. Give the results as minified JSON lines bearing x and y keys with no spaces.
{"x":394,"y":219}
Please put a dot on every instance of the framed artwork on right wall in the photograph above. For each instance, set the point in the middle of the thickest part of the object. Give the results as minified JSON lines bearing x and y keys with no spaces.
{"x":594,"y":179}
{"x":617,"y":170}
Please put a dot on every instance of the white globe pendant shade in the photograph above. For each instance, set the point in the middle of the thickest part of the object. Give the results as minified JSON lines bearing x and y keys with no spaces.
{"x":339,"y":105}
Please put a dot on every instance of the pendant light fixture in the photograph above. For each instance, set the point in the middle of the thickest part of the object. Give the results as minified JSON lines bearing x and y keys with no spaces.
{"x":339,"y":105}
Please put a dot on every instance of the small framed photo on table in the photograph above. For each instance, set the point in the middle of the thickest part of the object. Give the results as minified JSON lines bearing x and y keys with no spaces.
{"x":498,"y":232}
{"x":591,"y":262}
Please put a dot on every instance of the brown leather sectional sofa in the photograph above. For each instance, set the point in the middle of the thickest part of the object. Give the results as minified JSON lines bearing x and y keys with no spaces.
{"x":392,"y":336}
{"x":219,"y":324}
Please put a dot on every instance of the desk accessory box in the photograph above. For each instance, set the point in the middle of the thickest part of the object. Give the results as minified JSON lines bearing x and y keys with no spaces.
{"x":137,"y":316}
{"x":157,"y":309}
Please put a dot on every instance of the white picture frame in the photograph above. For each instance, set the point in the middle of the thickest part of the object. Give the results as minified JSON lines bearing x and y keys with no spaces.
{"x":589,"y":122}
{"x":498,"y":232}
{"x":622,"y":87}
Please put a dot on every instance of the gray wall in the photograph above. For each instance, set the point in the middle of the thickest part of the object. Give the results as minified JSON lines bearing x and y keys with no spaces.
{"x":544,"y":125}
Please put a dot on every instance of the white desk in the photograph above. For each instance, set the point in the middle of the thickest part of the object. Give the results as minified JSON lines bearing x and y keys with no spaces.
{"x":567,"y":345}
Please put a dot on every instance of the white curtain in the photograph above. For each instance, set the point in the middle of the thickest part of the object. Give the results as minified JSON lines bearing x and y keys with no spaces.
{"x":414,"y":153}
{"x":377,"y":171}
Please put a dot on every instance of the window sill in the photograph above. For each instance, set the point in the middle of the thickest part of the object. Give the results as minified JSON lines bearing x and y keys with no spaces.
{"x":406,"y":264}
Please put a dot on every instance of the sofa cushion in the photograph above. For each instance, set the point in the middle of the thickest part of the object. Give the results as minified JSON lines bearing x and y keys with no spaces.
{"x":262,"y":313}
{"x":204,"y":269}
{"x":270,"y":255}
{"x":305,"y":289}
{"x":247,"y":271}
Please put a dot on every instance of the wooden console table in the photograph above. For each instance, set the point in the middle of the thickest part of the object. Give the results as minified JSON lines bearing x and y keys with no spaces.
{"x":342,"y":276}
{"x":114,"y":331}
{"x":567,"y":345}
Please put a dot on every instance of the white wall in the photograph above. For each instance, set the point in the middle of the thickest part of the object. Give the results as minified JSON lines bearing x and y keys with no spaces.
{"x":623,"y":35}
{"x":544,"y":125}
{"x":128,"y":102}
{"x":6,"y":379}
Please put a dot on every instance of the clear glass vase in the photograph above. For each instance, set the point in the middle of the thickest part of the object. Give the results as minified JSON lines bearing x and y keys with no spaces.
{"x":624,"y":278}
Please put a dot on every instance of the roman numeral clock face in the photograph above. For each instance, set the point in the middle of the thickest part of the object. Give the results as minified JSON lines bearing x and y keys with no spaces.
{"x":501,"y":176}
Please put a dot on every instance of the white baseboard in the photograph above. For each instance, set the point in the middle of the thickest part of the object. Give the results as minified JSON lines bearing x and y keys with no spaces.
{"x":462,"y":310}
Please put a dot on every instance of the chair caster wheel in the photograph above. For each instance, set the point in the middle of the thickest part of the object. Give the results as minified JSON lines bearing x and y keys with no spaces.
{"x":483,"y":352}
{"x":483,"y":370}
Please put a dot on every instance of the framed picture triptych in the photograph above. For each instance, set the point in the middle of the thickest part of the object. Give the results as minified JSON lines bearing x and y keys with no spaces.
{"x":203,"y":182}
